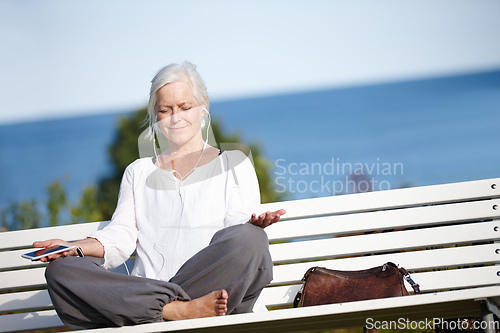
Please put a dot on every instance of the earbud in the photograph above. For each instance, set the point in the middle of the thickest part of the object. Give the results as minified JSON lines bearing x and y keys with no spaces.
{"x":154,"y":150}
{"x":203,"y":122}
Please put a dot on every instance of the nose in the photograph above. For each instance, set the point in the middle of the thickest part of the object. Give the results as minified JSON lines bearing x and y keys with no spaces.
{"x":176,"y":116}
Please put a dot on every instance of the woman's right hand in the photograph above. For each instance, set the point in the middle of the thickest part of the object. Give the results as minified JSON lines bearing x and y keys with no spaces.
{"x":266,"y":219}
{"x":53,"y":243}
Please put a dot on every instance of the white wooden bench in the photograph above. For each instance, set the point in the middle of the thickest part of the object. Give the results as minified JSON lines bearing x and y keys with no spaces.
{"x":446,"y":234}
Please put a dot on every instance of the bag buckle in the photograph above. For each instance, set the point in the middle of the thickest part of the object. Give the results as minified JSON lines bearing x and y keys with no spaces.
{"x":406,"y":275}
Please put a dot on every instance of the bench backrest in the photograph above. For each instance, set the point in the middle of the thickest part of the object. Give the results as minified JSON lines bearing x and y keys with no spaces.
{"x":446,"y":234}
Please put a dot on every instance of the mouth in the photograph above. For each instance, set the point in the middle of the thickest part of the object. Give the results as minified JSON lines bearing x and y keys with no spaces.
{"x":176,"y":128}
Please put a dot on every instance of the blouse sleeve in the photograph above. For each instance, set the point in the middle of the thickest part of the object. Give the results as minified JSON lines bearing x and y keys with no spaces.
{"x":243,"y":195}
{"x":119,"y":237}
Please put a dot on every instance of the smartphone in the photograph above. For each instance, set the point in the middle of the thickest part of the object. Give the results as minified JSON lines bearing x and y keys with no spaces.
{"x":36,"y":255}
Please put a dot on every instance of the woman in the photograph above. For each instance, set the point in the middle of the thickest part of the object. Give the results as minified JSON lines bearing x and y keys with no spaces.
{"x":190,"y":213}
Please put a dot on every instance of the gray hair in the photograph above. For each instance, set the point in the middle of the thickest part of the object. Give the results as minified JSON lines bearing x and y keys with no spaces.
{"x":173,"y":73}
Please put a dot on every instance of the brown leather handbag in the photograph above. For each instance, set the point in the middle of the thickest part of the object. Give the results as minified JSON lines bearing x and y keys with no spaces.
{"x":327,"y":286}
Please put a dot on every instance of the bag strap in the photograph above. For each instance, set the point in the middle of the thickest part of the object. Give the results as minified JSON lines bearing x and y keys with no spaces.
{"x":406,"y":275}
{"x":298,"y":296}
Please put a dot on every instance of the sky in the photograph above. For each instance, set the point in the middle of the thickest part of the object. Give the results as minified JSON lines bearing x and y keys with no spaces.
{"x":66,"y":58}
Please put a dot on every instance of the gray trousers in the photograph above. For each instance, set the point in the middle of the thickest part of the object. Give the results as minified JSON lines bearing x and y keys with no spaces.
{"x":85,"y":295}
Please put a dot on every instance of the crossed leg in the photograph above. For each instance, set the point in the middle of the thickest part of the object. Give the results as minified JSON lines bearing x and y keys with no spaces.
{"x":226,"y":277}
{"x":241,"y":253}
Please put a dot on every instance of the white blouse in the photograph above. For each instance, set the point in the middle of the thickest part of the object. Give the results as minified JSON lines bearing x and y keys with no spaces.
{"x":168,"y":220}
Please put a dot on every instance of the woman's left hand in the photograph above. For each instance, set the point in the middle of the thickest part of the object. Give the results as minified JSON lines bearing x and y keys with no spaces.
{"x":267,"y":218}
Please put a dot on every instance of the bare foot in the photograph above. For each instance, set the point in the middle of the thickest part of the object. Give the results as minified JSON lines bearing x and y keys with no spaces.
{"x":210,"y":305}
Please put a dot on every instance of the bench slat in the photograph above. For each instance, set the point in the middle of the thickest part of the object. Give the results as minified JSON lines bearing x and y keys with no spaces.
{"x":406,"y":197}
{"x":390,"y":241}
{"x":458,"y":278}
{"x":30,"y":321}
{"x":13,"y":260}
{"x":414,"y":260}
{"x":22,"y":278}
{"x":25,"y":238}
{"x":35,"y":277}
{"x":361,"y":222}
{"x":23,"y":301}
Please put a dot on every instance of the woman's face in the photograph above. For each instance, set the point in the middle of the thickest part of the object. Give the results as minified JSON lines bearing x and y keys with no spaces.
{"x":179,"y":113}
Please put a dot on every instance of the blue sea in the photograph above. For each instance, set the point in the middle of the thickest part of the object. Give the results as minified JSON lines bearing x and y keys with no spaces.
{"x":386,"y":136}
